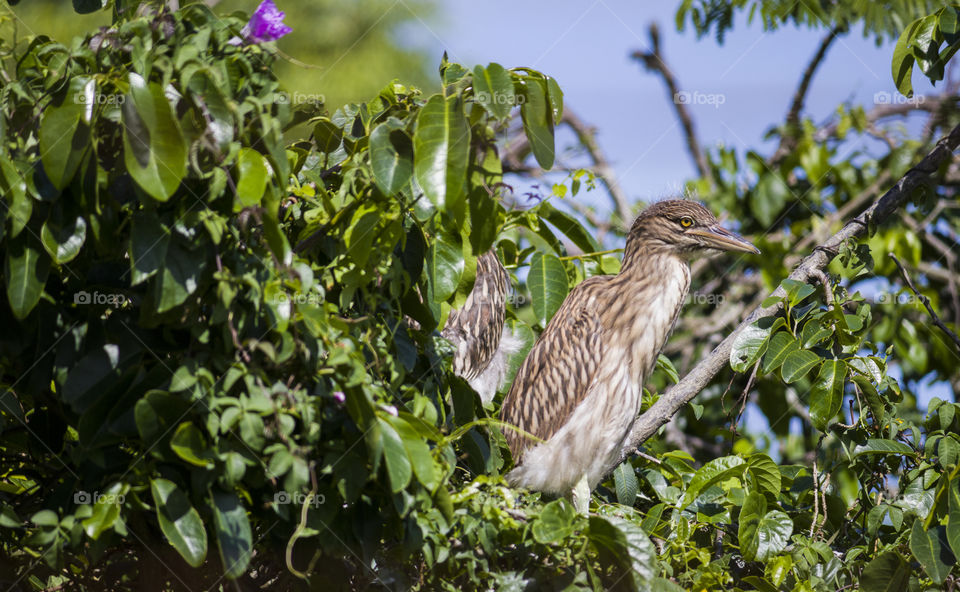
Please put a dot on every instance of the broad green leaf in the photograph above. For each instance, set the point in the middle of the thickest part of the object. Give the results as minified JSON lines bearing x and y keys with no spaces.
{"x":555,"y":98}
{"x":888,"y":572}
{"x":625,"y":482}
{"x":537,"y":121}
{"x":395,"y":456}
{"x":391,"y":156}
{"x":796,"y":290}
{"x":628,"y":545}
{"x":178,"y":278}
{"x":444,"y":267}
{"x":63,"y":238}
{"x":361,"y":233}
{"x":442,"y":150}
{"x":880,"y":446}
{"x":929,"y":548}
{"x":903,"y":60}
{"x":765,"y":473}
{"x":64,"y":134}
{"x":798,"y":364}
{"x":233,"y":533}
{"x":421,"y":459}
{"x":814,"y":332}
{"x":106,"y":511}
{"x":780,"y":346}
{"x":19,"y":205}
{"x":493,"y":90}
{"x":773,"y":533}
{"x":718,"y":469}
{"x":154,"y":149}
{"x":252,"y":175}
{"x":769,"y":197}
{"x":570,"y":227}
{"x":752,"y":511}
{"x":26,"y":269}
{"x":953,"y":526}
{"x":751,"y":342}
{"x":826,"y":396}
{"x":189,"y":444}
{"x":327,"y":135}
{"x":180,"y":522}
{"x":148,"y":246}
{"x":555,"y":522}
{"x":547,"y":281}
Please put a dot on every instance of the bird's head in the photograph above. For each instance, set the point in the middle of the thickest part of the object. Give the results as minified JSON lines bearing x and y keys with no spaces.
{"x":685,"y":228}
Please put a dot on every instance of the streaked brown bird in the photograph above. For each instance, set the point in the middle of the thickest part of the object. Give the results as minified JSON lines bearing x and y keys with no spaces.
{"x":477,"y":330}
{"x":579,"y":388}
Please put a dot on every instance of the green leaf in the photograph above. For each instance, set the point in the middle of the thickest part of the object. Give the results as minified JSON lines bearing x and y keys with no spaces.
{"x":547,"y":281}
{"x":798,"y":364}
{"x":765,"y":472}
{"x":953,"y":526}
{"x":554,"y":523}
{"x":391,"y":156}
{"x":570,"y":227}
{"x":395,"y":456}
{"x":179,"y":277}
{"x":751,"y":342}
{"x":64,"y":134}
{"x":180,"y":522}
{"x":19,"y":204}
{"x":888,"y":572}
{"x":418,"y":452}
{"x":361,"y":233}
{"x":929,"y":548}
{"x":628,"y":546}
{"x":826,"y":396}
{"x":252,"y":175}
{"x":751,"y":514}
{"x":63,"y":239}
{"x":625,"y":482}
{"x":442,"y":150}
{"x":106,"y":511}
{"x":444,"y":267}
{"x":493,"y":90}
{"x":780,"y":346}
{"x":881,"y":446}
{"x":188,"y":443}
{"x":233,"y":533}
{"x":718,"y":469}
{"x":769,"y":197}
{"x":148,"y":246}
{"x":26,"y":269}
{"x":154,"y":149}
{"x":537,"y":121}
{"x":327,"y":135}
{"x":903,"y":60}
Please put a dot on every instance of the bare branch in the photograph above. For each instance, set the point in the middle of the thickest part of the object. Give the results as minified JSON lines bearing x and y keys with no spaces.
{"x":671,"y":401}
{"x":653,"y":61}
{"x":926,"y":303}
{"x":788,"y":140}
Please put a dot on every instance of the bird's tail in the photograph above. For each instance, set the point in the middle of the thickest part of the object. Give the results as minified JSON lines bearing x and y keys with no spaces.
{"x":494,"y":375}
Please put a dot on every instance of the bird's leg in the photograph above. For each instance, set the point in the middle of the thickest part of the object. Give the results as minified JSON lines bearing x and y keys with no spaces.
{"x":580,"y":496}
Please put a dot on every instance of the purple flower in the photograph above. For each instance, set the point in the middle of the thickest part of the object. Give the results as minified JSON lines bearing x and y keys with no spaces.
{"x":266,"y":24}
{"x":339,"y":396}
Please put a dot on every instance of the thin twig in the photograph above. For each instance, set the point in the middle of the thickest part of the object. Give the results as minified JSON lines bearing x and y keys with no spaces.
{"x":653,"y":61}
{"x":926,"y":303}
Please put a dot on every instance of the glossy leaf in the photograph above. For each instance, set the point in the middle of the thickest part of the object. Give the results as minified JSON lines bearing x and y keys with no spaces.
{"x":234,"y":537}
{"x":180,"y":522}
{"x":781,"y":345}
{"x":826,"y":396}
{"x":493,"y":90}
{"x":391,"y":156}
{"x":929,"y":548}
{"x":547,"y":281}
{"x":554,"y":523}
{"x":63,"y":239}
{"x":26,"y":268}
{"x":537,"y":121}
{"x":399,"y":469}
{"x":444,"y":267}
{"x":797,"y":364}
{"x":252,"y":175}
{"x":626,"y":484}
{"x":64,"y":135}
{"x":887,"y":572}
{"x":154,"y":149}
{"x":441,"y":150}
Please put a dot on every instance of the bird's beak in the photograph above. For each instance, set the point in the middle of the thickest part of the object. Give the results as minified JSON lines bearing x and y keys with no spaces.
{"x":720,"y":238}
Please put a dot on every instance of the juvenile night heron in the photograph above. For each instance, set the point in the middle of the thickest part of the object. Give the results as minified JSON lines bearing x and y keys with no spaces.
{"x":478,"y":331}
{"x":579,"y":388}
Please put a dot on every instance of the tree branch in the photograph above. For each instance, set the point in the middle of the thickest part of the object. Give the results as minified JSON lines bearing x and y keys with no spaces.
{"x":671,"y":401}
{"x":653,"y":61}
{"x":926,"y":303}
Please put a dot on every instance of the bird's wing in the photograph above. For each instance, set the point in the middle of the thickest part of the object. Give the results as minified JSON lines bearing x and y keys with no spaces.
{"x":477,"y":327}
{"x":556,"y":375}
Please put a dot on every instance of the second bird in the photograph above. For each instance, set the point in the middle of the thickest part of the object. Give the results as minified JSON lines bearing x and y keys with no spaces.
{"x":578,"y":391}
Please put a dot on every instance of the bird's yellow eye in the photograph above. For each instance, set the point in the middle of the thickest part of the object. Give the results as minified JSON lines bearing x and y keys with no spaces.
{"x":686,"y":221}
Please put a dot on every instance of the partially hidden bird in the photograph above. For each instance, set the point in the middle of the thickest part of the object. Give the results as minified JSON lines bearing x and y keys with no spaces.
{"x":483,"y":342}
{"x":578,"y":391}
